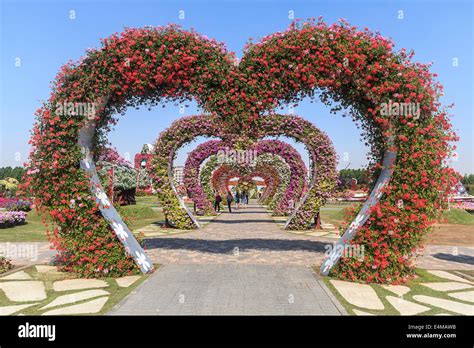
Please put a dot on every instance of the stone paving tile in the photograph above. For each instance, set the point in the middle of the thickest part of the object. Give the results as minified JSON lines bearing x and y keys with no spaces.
{"x":23,"y":290}
{"x":78,"y":284}
{"x":405,"y":307}
{"x":450,"y":276}
{"x":125,"y":282}
{"x":21,"y":275}
{"x":463,"y":296}
{"x":76,"y":297}
{"x":453,"y":306}
{"x":447,"y":286}
{"x":399,"y":290}
{"x":8,"y":310}
{"x":45,"y":268}
{"x":358,"y":312}
{"x":226,"y":289}
{"x":89,"y":307}
{"x":360,"y":295}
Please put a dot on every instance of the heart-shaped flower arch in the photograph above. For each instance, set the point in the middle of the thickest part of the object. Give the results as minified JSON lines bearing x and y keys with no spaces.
{"x":274,"y":191}
{"x":184,"y":130}
{"x":213,"y":147}
{"x":264,"y":168}
{"x":356,"y":68}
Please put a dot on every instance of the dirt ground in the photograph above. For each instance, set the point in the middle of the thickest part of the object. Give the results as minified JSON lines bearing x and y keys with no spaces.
{"x":451,"y":234}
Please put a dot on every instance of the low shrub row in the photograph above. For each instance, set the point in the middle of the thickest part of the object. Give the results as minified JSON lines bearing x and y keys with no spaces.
{"x":12,"y":218}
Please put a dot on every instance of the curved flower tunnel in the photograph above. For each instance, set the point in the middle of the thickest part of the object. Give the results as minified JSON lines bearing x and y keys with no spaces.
{"x":339,"y":64}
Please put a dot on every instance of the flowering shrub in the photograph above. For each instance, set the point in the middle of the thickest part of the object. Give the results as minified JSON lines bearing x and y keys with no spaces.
{"x":5,"y":264}
{"x":8,"y":186}
{"x":6,"y":201}
{"x":469,"y":206}
{"x":191,"y":175}
{"x":112,"y":156}
{"x":336,"y":63}
{"x":18,"y":205}
{"x":12,"y":218}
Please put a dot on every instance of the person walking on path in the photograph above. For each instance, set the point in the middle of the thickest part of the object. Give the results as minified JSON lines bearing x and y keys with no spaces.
{"x":230,"y":199}
{"x":237,"y":199}
{"x":244,"y":199}
{"x":217,"y":202}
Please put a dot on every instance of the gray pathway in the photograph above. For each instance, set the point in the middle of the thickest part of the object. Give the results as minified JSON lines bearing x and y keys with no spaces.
{"x":248,"y":236}
{"x":241,"y":263}
{"x":230,"y":289}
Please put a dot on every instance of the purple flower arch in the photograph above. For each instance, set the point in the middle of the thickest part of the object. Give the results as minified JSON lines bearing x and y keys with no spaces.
{"x":225,"y":172}
{"x":322,"y":162}
{"x":203,"y":151}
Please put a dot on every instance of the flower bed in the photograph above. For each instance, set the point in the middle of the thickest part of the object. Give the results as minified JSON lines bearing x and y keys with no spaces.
{"x":469,"y":206}
{"x":18,"y":205}
{"x":12,"y":218}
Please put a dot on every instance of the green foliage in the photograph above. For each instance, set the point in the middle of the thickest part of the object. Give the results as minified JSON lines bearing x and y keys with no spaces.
{"x":468,"y":179}
{"x":125,"y":177}
{"x":360,"y":175}
{"x":458,"y":216}
{"x":9,"y":172}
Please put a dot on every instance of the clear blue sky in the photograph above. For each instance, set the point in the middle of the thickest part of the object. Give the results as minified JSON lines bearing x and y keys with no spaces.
{"x":44,"y":37}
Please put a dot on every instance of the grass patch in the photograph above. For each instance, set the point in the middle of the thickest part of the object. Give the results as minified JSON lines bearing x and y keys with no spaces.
{"x":136,"y":216}
{"x":458,"y":216}
{"x":334,"y":213}
{"x":32,"y":231}
{"x":147,"y":201}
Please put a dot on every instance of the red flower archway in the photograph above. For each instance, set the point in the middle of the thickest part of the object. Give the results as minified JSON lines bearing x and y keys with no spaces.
{"x":344,"y":65}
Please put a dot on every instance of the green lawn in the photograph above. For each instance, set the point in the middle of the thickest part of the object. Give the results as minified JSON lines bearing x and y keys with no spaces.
{"x":136,"y":216}
{"x":334,"y":214}
{"x":140,"y":215}
{"x":459,"y":216}
{"x":32,"y":231}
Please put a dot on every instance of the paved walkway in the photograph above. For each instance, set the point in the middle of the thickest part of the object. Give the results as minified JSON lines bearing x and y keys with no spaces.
{"x":246,"y":236}
{"x":446,"y":257}
{"x":240,"y":263}
{"x":230,"y":289}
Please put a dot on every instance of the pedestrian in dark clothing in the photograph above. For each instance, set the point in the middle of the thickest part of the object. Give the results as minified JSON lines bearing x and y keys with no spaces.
{"x":237,"y":199}
{"x":230,"y":199}
{"x":217,"y":202}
